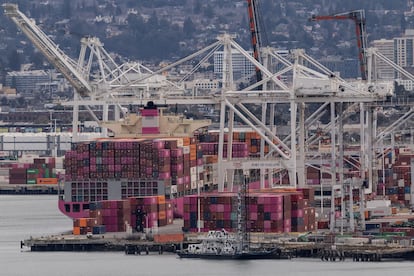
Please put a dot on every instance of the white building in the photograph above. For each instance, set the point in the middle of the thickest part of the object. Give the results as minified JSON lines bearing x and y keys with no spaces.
{"x":243,"y":69}
{"x":26,"y":81}
{"x":385,"y":47}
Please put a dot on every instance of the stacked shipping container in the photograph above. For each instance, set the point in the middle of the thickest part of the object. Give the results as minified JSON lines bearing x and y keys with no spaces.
{"x":119,"y":215}
{"x":266,"y":212}
{"x":177,"y":162}
{"x":41,"y":171}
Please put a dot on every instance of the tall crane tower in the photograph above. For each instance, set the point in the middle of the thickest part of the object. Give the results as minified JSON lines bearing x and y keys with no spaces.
{"x":358,"y":16}
{"x":252,"y":8}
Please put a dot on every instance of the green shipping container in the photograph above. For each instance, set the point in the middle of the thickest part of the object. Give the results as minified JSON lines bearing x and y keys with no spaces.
{"x":46,"y":174}
{"x":31,"y":181}
{"x":32,"y":171}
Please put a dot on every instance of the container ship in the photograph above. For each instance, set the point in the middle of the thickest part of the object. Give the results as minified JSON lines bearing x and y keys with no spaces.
{"x":150,"y":154}
{"x":150,"y":171}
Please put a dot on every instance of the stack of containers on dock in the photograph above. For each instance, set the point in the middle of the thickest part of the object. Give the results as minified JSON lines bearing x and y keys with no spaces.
{"x":297,"y":212}
{"x":312,"y":176}
{"x":396,"y":177}
{"x":41,"y":171}
{"x":18,"y":176}
{"x":266,"y":212}
{"x":250,"y":138}
{"x":309,"y":214}
{"x":239,"y":149}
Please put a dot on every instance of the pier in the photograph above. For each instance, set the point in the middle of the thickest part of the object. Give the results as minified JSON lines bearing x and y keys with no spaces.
{"x":137,"y":245}
{"x":27,"y":189}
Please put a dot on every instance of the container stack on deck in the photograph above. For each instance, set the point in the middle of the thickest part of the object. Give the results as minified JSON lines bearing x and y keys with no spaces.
{"x":268,"y":212}
{"x":176,"y":164}
{"x":119,"y":215}
{"x":397,"y":176}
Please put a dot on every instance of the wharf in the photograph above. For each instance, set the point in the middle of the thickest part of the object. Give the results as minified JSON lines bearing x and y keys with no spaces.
{"x":137,"y":244}
{"x":131,"y":244}
{"x":28,"y":189}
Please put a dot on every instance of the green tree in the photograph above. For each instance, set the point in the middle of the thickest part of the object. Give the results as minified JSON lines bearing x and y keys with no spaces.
{"x":197,"y":7}
{"x":209,"y":11}
{"x":14,"y":60}
{"x":188,"y":27}
{"x":66,"y":10}
{"x":4,"y":101}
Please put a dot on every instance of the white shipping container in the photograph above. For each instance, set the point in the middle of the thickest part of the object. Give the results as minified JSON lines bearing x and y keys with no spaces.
{"x":355,"y":241}
{"x":380,"y":211}
{"x":200,"y":169}
{"x":378,"y":203}
{"x":400,"y":182}
{"x":186,"y":149}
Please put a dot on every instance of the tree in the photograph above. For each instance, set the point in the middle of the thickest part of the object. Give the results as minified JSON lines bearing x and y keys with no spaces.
{"x":4,"y":101}
{"x":66,"y":11}
{"x":197,"y":7}
{"x":209,"y":12}
{"x":188,"y":27}
{"x":14,"y":60}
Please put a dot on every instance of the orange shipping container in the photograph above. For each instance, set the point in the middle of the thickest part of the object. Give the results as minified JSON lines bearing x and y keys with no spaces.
{"x":76,"y":231}
{"x":83,"y":222}
{"x":161,"y":199}
{"x":168,"y":238}
{"x":186,"y":141}
{"x":46,"y":180}
{"x":162,"y":215}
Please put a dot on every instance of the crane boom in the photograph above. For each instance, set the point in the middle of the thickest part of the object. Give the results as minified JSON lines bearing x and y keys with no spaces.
{"x":358,"y":17}
{"x":255,"y":35}
{"x":49,"y":49}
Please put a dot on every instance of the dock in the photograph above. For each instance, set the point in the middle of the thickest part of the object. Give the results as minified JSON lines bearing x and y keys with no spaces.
{"x":26,"y":189}
{"x":130,"y":244}
{"x":137,"y":244}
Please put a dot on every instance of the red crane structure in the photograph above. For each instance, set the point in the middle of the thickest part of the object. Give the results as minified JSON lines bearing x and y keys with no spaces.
{"x":358,"y":16}
{"x":252,"y":8}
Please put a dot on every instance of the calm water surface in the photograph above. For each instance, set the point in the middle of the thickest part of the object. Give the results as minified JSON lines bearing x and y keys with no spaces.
{"x":25,"y":216}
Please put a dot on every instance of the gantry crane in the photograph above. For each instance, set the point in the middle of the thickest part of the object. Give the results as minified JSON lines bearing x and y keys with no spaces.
{"x":108,"y":84}
{"x":49,"y":49}
{"x":358,"y":16}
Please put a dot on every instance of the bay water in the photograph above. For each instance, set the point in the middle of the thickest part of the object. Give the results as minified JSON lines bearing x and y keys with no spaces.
{"x":37,"y":215}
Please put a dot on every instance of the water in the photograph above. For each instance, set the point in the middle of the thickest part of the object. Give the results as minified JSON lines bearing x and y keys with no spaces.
{"x":25,"y":216}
